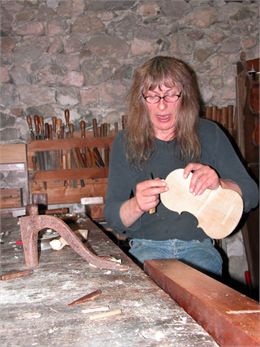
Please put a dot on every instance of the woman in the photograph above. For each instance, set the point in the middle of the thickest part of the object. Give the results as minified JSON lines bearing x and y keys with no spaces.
{"x":164,"y":133}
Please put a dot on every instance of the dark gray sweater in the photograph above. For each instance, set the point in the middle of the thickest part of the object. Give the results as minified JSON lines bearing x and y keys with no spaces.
{"x":217,"y":152}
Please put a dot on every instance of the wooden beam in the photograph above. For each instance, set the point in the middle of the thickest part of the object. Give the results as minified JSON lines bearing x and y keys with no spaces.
{"x":230,"y":317}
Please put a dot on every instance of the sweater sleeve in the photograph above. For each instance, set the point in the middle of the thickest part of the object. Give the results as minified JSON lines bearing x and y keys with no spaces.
{"x":120,"y":183}
{"x":230,"y":167}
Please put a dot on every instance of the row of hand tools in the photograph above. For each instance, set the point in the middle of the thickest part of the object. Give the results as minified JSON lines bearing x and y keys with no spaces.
{"x":40,"y":130}
{"x":75,"y":157}
{"x":222,"y":115}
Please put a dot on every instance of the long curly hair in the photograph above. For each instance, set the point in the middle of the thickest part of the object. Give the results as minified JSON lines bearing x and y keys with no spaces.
{"x":158,"y":71}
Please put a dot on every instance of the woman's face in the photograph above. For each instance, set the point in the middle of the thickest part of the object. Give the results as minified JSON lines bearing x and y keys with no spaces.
{"x":163,"y":113}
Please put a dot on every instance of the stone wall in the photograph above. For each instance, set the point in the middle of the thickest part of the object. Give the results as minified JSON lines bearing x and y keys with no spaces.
{"x":80,"y":54}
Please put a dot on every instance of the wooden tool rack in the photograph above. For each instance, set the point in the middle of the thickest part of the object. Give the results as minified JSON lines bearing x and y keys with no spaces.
{"x":225,"y":117}
{"x":248,"y":109}
{"x":69,"y":169}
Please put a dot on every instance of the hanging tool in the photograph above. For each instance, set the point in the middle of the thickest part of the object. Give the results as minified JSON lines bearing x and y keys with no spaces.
{"x":41,"y":127}
{"x":57,"y":126}
{"x":44,"y":154}
{"x":74,"y":158}
{"x":97,"y":157}
{"x":95,"y":127}
{"x":50,"y":132}
{"x":50,"y":158}
{"x":54,"y":127}
{"x":63,"y":152}
{"x":116,"y":127}
{"x":67,"y":122}
{"x":29,"y":122}
{"x":48,"y":161}
{"x":39,"y":157}
{"x":82,"y":125}
{"x":36,"y":126}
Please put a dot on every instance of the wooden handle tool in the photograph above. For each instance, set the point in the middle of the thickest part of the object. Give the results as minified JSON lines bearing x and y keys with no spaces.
{"x":46,"y":131}
{"x":152,"y":210}
{"x":29,"y":122}
{"x":57,"y":126}
{"x":85,"y":298}
{"x":15,"y":274}
{"x":95,"y":127}
{"x":67,"y":122}
{"x":36,"y":126}
{"x":41,"y":127}
{"x":82,"y":125}
{"x":50,"y":131}
{"x":98,"y":159}
{"x":54,"y":126}
{"x":116,"y":127}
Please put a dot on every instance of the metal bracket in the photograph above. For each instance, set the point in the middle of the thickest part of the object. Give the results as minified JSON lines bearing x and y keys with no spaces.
{"x":31,"y":225}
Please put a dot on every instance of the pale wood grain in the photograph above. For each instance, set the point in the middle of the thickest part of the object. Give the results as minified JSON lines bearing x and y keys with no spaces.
{"x":218,"y":211}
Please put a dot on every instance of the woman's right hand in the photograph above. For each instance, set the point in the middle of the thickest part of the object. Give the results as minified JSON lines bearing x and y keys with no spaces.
{"x":148,"y":193}
{"x":145,"y":199}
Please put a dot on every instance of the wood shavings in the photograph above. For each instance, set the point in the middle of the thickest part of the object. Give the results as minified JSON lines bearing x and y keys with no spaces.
{"x":60,"y":243}
{"x":102,"y":315}
{"x":96,"y":309}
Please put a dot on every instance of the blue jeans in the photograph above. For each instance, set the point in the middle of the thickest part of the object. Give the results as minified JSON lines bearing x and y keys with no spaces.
{"x":201,"y":255}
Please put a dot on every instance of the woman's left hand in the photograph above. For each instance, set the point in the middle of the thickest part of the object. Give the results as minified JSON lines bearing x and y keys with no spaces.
{"x":203,"y":177}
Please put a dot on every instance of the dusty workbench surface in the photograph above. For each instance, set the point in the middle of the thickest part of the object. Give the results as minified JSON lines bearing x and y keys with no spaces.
{"x":35,"y":311}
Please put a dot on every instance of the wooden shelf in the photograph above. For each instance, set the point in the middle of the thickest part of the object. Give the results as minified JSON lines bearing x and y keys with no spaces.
{"x":69,"y":169}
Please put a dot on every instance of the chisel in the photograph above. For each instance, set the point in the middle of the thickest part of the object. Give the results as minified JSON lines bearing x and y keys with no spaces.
{"x":15,"y":274}
{"x":29,"y":122}
{"x":85,"y":298}
{"x":152,"y":210}
{"x":67,"y":122}
{"x":82,"y":125}
{"x":39,"y":158}
{"x":95,"y":127}
{"x":54,"y":127}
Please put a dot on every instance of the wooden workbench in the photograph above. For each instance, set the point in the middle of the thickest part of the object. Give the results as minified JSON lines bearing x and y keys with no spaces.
{"x":35,"y":311}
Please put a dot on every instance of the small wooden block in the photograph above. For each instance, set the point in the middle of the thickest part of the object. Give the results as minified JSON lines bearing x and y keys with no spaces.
{"x":13,"y":153}
{"x":230,"y":317}
{"x":10,"y":197}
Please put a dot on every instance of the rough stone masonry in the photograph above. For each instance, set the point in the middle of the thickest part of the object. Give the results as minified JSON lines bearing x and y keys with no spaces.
{"x":80,"y":54}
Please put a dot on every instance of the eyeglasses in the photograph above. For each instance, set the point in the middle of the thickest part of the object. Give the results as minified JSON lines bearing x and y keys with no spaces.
{"x":169,"y":98}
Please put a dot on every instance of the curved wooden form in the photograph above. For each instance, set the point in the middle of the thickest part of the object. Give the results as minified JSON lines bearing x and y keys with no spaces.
{"x":217,"y":211}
